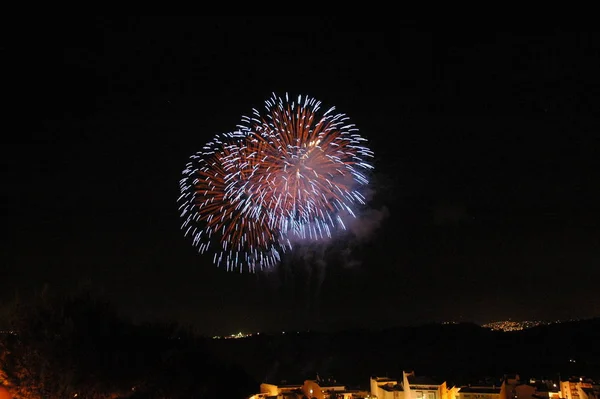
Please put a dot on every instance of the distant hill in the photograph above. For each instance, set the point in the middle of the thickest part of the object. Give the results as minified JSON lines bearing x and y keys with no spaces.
{"x":451,"y":352}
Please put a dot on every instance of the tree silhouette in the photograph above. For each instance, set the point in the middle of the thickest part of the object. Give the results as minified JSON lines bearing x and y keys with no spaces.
{"x":62,"y":346}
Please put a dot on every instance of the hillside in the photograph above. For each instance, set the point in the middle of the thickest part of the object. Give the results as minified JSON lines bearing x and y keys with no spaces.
{"x":452,"y":352}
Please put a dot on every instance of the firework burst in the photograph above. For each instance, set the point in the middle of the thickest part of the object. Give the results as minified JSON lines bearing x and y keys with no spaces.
{"x":292,"y":171}
{"x":308,"y":166}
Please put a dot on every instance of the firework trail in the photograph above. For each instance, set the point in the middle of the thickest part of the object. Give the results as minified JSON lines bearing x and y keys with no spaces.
{"x":289,"y":172}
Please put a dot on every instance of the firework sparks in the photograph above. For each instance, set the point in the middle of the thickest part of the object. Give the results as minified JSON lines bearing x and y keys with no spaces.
{"x":308,"y":165}
{"x":217,"y":213}
{"x":290,"y":171}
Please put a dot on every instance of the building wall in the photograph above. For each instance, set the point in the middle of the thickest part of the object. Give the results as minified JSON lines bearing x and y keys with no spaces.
{"x":394,"y":394}
{"x":382,"y":393}
{"x":569,"y":390}
{"x":504,"y":394}
{"x":475,"y":395}
{"x":525,"y":391}
{"x":583,"y":394}
{"x":421,"y":393}
{"x":451,"y":393}
{"x":377,"y":390}
{"x":406,"y":385}
{"x":270,"y":389}
{"x":312,"y":390}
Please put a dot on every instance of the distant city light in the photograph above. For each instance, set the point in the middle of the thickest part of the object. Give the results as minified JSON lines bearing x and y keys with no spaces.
{"x":234,"y":336}
{"x":509,"y":325}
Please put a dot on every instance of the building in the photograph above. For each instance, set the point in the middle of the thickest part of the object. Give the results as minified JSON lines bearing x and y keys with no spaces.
{"x":548,"y":390}
{"x":569,"y":388}
{"x":451,"y":393}
{"x":537,"y":389}
{"x":311,"y":389}
{"x":411,"y":387}
{"x":579,"y":388}
{"x":386,"y":388}
{"x":325,"y":390}
{"x":422,"y":387}
{"x":485,"y":390}
{"x":525,"y":391}
{"x":511,"y":381}
{"x":278,"y":391}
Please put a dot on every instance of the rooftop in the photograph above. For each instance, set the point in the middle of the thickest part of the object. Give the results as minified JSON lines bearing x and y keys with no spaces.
{"x":480,"y":389}
{"x":383,"y":379}
{"x":391,"y":388}
{"x":421,"y":380}
{"x":328,"y":384}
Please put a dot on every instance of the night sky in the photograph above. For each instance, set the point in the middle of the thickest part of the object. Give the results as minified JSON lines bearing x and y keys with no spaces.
{"x":485,"y":196}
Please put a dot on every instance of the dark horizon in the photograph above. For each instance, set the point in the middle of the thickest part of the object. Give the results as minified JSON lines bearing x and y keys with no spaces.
{"x":485,"y":201}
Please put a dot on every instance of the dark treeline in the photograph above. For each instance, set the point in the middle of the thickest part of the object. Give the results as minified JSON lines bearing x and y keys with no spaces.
{"x":457,"y":353}
{"x":59,"y":346}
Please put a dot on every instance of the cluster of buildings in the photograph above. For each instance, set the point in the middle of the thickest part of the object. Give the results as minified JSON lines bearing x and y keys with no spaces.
{"x":411,"y":386}
{"x":509,"y":325}
{"x":234,"y":336}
